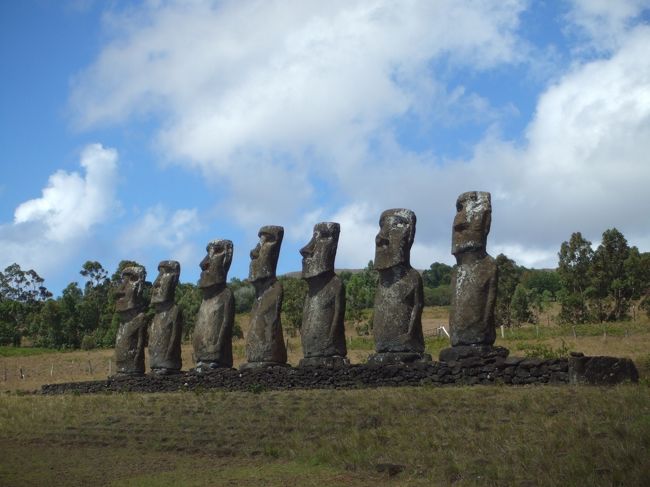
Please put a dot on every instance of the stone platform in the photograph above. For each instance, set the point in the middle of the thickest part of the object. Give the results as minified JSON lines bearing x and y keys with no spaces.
{"x":496,"y":370}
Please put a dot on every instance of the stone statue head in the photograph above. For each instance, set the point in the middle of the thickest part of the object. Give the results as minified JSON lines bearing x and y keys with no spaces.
{"x":130,"y":290}
{"x":215,"y":265}
{"x":264,"y":257}
{"x":319,"y":254}
{"x":472,"y":222}
{"x":395,"y":238}
{"x":165,"y":284}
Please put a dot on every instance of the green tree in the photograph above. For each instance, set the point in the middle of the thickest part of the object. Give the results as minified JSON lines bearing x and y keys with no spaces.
{"x":611,"y":290}
{"x":188,"y":298}
{"x":541,"y":280}
{"x":22,"y":294}
{"x":69,"y":304}
{"x":437,"y":274}
{"x":360,"y":292}
{"x":244,"y":293}
{"x":520,"y":305}
{"x":574,"y":265}
{"x":509,"y":275}
{"x":293,"y":302}
{"x":437,"y":296}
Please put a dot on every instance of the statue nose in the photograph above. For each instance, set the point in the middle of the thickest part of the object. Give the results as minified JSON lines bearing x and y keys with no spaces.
{"x":255,"y":253}
{"x":307,"y":250}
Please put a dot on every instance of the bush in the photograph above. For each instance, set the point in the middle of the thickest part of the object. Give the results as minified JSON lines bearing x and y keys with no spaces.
{"x":88,"y":342}
{"x":237,"y":331}
{"x":437,"y":296}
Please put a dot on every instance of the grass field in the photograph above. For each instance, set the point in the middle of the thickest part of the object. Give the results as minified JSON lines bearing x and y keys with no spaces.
{"x":521,"y":436}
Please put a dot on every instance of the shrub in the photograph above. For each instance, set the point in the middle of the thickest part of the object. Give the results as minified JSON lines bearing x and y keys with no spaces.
{"x":88,"y":342}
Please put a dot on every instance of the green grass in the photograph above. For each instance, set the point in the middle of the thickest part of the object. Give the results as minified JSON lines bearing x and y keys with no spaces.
{"x":24,"y":351}
{"x":465,"y":436}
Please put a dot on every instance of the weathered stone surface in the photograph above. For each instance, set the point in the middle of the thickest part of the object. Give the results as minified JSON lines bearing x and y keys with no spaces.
{"x":474,"y":278}
{"x":392,"y":358}
{"x":132,"y":332}
{"x":265,"y":341}
{"x":397,"y":317}
{"x":166,"y":330}
{"x":212,"y":337}
{"x":465,"y":352}
{"x":326,"y":377}
{"x":601,"y":370}
{"x":330,"y":361}
{"x":323,"y":332}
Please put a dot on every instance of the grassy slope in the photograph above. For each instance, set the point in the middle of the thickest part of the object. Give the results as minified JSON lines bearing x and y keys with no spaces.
{"x":468,"y":436}
{"x":465,"y":436}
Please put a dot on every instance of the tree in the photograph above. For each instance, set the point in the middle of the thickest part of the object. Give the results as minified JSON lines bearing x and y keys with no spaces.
{"x":188,"y":298}
{"x":292,"y":303}
{"x":244,"y":293}
{"x":69,"y":304}
{"x":437,"y":274}
{"x":541,"y":280}
{"x":574,"y":264}
{"x":509,"y":275}
{"x":93,"y":309}
{"x":437,"y":296}
{"x":360,"y":292}
{"x":611,"y":290}
{"x":22,"y":294}
{"x":520,"y":305}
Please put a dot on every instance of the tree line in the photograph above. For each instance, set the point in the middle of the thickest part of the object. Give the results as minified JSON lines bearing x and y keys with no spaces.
{"x":605,"y":284}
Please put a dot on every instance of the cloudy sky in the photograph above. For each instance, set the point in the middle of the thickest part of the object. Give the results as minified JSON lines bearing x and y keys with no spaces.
{"x":142,"y":130}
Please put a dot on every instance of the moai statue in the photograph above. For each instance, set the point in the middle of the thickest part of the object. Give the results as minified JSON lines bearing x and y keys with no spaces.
{"x":132,"y":332}
{"x":166,"y":330}
{"x":212,"y":339}
{"x":473,"y":281}
{"x":397,"y":317}
{"x":264,"y":342}
{"x":323,"y":332}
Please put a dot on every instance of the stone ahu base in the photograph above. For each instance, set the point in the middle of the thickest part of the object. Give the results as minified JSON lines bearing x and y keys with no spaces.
{"x":394,"y":358}
{"x":463,"y":353}
{"x":334,"y":361}
{"x":261,"y":365}
{"x":203,"y":367}
{"x":493,"y":370}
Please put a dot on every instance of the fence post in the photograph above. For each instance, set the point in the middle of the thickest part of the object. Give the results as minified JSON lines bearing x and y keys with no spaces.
{"x":22,"y":374}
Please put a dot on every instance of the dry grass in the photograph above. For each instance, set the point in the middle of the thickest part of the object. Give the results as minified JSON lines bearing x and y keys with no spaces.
{"x":520,"y":436}
{"x":460,"y":436}
{"x":624,"y":339}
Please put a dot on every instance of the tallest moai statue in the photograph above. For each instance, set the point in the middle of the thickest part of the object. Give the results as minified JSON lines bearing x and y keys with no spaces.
{"x":473,"y":281}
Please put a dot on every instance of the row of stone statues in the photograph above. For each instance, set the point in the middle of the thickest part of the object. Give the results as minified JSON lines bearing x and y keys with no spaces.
{"x":397,"y":317}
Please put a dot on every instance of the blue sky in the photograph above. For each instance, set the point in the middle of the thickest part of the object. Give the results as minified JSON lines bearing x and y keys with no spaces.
{"x":143,"y":130}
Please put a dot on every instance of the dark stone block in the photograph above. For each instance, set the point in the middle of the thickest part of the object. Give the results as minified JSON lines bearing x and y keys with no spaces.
{"x":601,"y":370}
{"x":392,"y":358}
{"x":462,"y":353}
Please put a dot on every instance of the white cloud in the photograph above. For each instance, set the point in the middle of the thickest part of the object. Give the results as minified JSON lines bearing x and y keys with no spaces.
{"x":159,"y":228}
{"x":71,"y":203}
{"x":48,"y":230}
{"x":274,"y":102}
{"x":264,"y":97}
{"x":605,"y":23}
